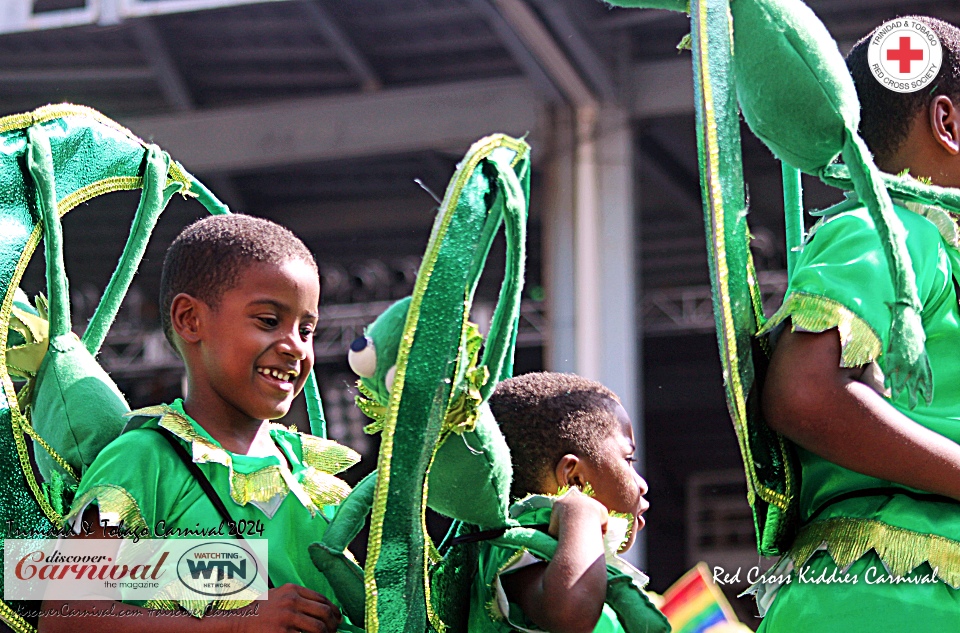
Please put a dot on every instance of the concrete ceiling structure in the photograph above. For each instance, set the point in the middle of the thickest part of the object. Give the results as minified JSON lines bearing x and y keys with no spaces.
{"x":291,"y":100}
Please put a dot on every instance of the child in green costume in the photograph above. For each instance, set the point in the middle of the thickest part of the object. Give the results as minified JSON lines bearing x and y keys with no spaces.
{"x":239,"y":300}
{"x":565,"y":433}
{"x":880,"y":478}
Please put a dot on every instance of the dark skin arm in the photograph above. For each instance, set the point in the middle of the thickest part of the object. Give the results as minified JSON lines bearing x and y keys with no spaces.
{"x":566,"y":595}
{"x":825,"y":408}
{"x":288,"y":609}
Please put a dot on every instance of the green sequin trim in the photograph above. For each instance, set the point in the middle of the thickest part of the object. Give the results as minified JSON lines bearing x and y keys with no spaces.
{"x":860,"y":344}
{"x":14,"y":620}
{"x":847,"y":539}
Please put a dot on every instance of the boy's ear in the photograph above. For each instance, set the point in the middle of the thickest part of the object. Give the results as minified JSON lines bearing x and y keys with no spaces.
{"x":945,"y":123}
{"x":569,"y":472}
{"x":185,"y":317}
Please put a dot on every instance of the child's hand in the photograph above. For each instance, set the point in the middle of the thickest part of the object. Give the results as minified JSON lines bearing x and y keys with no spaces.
{"x":290,"y":609}
{"x":576,"y":507}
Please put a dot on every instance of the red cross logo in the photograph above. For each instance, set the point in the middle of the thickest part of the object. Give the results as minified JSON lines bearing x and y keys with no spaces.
{"x":905,"y":54}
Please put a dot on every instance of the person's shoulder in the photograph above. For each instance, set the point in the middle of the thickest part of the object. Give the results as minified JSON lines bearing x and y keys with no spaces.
{"x":137,"y":448}
{"x":852,"y":217}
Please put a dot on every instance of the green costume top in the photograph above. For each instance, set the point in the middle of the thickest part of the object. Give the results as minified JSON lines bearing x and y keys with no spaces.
{"x":139,"y":480}
{"x":490,"y":610}
{"x":842,"y":280}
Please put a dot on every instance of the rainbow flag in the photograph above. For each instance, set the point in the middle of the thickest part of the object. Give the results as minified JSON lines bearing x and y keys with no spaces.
{"x":694,"y":603}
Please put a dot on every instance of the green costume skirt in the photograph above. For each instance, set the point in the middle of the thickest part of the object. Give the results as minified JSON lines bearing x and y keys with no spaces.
{"x":823,"y":599}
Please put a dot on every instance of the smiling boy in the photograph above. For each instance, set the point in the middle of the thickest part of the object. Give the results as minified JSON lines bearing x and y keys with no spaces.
{"x":239,"y":300}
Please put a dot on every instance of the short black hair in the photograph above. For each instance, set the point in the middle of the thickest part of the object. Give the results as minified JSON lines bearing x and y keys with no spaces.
{"x":208,"y":256}
{"x":547,"y":415}
{"x":885,"y":115}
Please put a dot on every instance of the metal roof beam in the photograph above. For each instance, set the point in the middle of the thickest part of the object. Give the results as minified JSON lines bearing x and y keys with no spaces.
{"x":546,"y":52}
{"x":172,"y":85}
{"x":597,"y":71}
{"x":446,"y":117}
{"x":17,"y":16}
{"x":69,"y":76}
{"x":349,"y":53}
{"x":517,"y":49}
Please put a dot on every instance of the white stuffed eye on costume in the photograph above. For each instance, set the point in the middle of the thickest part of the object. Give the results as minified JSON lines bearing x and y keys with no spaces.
{"x":362,"y":357}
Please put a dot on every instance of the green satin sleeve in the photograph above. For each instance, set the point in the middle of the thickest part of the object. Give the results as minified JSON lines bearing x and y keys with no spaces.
{"x":842,"y":281}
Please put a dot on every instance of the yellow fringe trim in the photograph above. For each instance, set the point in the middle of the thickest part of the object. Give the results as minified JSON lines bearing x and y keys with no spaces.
{"x":324,"y":489}
{"x":493,"y":610}
{"x":174,"y":596}
{"x":860,"y":343}
{"x":902,"y":551}
{"x":322,"y":457}
{"x":326,"y":455}
{"x":111,"y":499}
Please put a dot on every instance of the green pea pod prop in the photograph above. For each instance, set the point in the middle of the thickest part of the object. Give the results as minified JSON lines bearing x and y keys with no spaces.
{"x":425,"y":385}
{"x":769,"y":459}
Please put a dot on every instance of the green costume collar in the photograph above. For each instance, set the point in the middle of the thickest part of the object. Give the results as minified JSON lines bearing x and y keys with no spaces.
{"x":260,"y":479}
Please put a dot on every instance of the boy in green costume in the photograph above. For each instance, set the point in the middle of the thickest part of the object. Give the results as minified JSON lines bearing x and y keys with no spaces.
{"x":880,"y":478}
{"x":564,"y":432}
{"x":239,"y":298}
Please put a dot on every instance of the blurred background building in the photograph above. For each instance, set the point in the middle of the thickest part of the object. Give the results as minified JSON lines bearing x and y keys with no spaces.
{"x":344,"y":120}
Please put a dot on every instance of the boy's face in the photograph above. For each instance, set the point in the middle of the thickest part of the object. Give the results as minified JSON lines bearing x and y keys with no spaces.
{"x":615,"y":482}
{"x":256,"y":346}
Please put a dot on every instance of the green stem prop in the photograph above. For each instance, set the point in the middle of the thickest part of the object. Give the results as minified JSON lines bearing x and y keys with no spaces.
{"x":792,"y":213}
{"x":427,"y":365}
{"x":153,"y":200}
{"x":40,"y":166}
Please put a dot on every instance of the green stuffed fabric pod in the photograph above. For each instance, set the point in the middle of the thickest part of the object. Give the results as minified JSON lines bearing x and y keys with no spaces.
{"x":479,"y":461}
{"x":77,"y":407}
{"x":792,"y":82}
